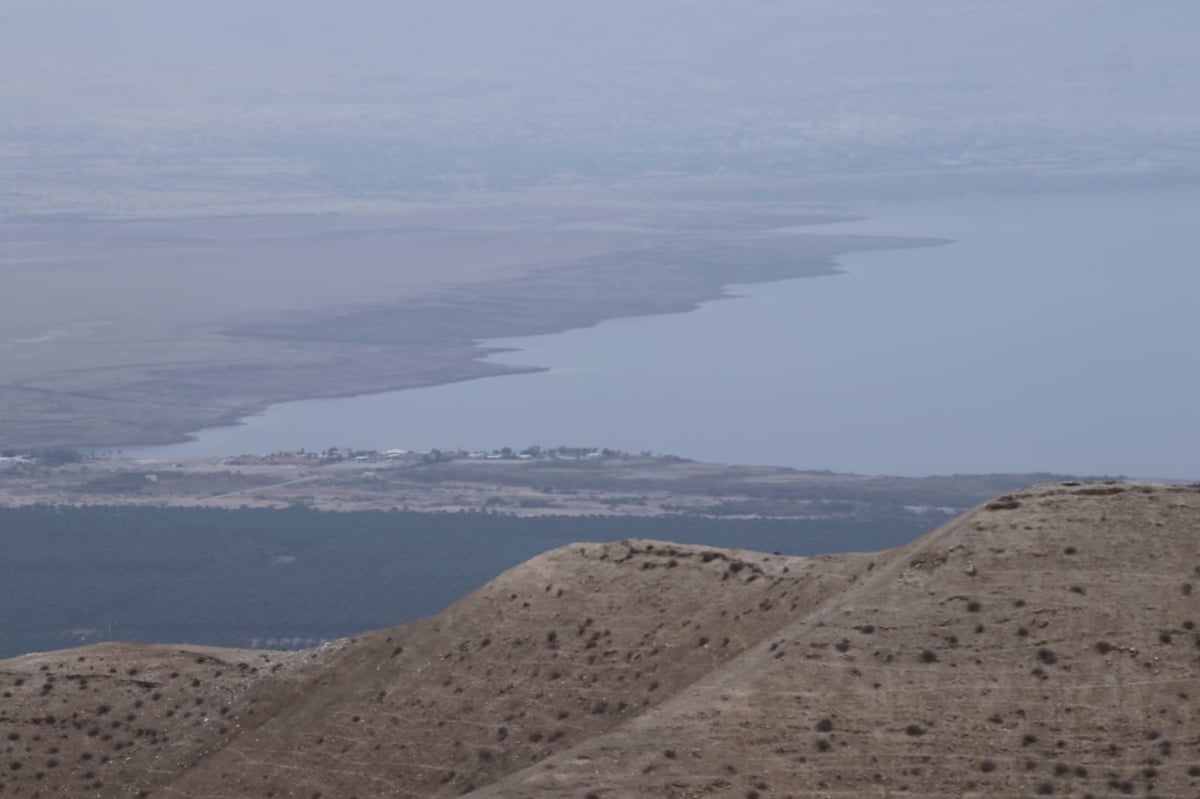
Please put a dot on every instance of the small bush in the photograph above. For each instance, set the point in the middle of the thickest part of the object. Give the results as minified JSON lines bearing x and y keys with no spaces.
{"x":928,"y":656}
{"x":914,"y":730}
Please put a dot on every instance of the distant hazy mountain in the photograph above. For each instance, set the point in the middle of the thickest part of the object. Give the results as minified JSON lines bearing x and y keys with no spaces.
{"x":368,"y":96}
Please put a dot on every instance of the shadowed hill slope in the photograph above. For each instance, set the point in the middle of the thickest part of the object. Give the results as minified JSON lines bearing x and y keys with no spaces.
{"x":1044,"y":644}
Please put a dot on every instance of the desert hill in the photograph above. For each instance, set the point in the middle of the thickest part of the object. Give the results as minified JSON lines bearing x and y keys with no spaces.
{"x":1043,"y":644}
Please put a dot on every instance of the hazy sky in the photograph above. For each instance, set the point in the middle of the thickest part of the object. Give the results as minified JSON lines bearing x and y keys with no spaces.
{"x":606,"y":85}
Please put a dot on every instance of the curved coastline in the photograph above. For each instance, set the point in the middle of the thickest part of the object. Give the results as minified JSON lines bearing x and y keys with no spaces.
{"x":444,"y":339}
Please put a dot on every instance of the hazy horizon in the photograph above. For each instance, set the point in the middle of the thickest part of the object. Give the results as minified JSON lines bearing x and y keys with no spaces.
{"x":363,"y":98}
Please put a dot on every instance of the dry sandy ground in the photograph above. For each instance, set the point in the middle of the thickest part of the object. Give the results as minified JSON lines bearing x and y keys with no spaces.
{"x":1044,"y":644}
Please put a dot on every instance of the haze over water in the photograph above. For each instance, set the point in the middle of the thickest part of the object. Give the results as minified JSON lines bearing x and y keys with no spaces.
{"x":1057,"y":333}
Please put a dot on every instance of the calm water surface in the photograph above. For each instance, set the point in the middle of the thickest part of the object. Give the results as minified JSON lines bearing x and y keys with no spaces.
{"x":1058,"y":333}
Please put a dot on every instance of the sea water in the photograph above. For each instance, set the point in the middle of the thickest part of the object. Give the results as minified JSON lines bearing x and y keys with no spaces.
{"x":1058,"y":332}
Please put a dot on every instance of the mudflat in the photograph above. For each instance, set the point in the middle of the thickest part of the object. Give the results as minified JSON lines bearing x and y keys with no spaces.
{"x":119,"y":332}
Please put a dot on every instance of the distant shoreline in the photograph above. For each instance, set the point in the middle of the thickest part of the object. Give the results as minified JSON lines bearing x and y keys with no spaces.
{"x":443,"y":340}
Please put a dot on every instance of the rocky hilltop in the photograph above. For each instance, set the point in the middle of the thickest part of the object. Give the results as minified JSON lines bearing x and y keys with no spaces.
{"x":1042,"y":644}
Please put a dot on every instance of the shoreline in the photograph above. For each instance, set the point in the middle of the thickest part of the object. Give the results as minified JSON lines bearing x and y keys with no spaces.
{"x":548,"y":301}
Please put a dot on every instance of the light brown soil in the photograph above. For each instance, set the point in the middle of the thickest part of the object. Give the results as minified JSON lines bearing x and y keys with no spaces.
{"x":1044,"y":644}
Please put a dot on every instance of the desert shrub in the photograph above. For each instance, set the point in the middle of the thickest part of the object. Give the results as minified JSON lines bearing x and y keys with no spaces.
{"x":914,"y":730}
{"x":1104,"y":647}
{"x":825,"y":725}
{"x":987,"y":766}
{"x":928,"y":656}
{"x":974,"y":606}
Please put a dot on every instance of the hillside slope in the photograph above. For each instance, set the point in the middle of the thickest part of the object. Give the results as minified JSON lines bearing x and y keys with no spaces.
{"x":1044,"y":644}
